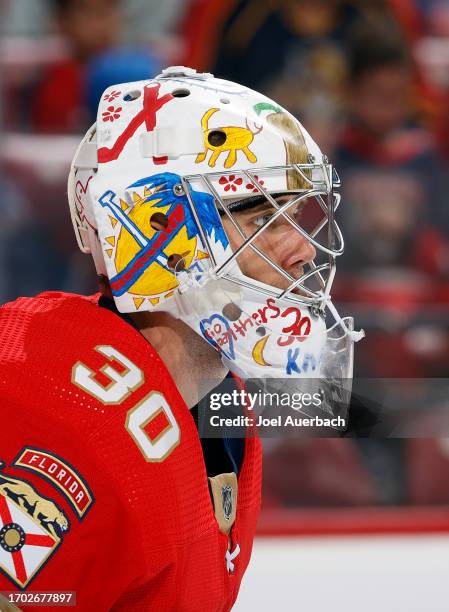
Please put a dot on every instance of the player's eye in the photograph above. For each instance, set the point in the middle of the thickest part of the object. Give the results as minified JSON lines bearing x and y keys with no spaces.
{"x":260,"y":221}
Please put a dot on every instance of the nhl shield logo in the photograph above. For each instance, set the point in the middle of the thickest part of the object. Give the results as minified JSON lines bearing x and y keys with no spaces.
{"x":31,"y":529}
{"x":226,"y":501}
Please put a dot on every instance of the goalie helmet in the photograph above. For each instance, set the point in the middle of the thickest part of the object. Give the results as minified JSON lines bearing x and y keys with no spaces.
{"x":157,"y":189}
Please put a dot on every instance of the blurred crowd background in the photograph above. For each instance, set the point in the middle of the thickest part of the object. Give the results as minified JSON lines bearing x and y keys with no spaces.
{"x":370,"y":81}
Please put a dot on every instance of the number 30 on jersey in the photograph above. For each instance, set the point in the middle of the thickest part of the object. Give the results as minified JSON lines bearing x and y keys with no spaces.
{"x":119,"y":386}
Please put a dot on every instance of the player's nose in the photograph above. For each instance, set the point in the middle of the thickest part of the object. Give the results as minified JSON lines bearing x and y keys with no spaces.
{"x":297,"y":249}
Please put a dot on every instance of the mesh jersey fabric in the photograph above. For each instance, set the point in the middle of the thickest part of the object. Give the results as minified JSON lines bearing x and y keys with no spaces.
{"x":150,"y":540}
{"x":220,"y":454}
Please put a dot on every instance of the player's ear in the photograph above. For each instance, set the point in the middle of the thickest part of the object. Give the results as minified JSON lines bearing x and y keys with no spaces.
{"x":104,"y":286}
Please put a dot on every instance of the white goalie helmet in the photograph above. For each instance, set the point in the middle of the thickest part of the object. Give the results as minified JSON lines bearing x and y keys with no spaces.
{"x":176,"y":190}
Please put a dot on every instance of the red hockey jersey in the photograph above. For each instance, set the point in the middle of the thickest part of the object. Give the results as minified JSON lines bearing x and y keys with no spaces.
{"x":103,"y":485}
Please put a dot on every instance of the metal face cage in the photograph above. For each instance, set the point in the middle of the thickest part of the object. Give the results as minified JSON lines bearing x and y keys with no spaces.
{"x":303,"y":195}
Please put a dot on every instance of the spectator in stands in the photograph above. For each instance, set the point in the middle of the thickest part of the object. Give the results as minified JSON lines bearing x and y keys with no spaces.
{"x":145,"y":19}
{"x":292,"y":50}
{"x":250,"y":41}
{"x":380,"y":127}
{"x":64,"y":99}
{"x":396,"y":275}
{"x":422,"y":17}
{"x":386,"y":226}
{"x":90,"y":27}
